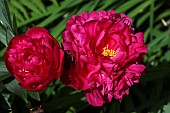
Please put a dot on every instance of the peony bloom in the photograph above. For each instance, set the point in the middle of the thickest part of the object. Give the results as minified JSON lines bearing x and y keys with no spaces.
{"x":34,"y":59}
{"x":106,"y":55}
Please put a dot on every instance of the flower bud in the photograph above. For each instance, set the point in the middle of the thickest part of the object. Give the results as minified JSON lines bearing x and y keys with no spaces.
{"x":34,"y":59}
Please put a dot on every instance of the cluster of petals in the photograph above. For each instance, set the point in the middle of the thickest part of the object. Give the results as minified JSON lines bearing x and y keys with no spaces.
{"x":34,"y":59}
{"x":105,"y":55}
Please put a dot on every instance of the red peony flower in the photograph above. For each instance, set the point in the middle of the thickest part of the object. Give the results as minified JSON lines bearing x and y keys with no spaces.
{"x":34,"y":59}
{"x":106,"y":54}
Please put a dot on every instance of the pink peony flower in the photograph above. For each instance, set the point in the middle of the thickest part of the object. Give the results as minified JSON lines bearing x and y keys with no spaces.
{"x":106,"y":55}
{"x":34,"y":59}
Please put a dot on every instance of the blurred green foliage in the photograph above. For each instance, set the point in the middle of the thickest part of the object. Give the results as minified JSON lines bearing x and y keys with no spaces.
{"x":152,"y":17}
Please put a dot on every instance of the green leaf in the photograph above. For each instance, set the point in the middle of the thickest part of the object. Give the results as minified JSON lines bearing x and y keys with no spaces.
{"x":139,"y":9}
{"x":63,"y":101}
{"x":50,"y":19}
{"x":3,"y":35}
{"x":5,"y":23}
{"x":167,"y":108}
{"x":4,"y":102}
{"x":127,"y":5}
{"x":9,"y":36}
{"x":16,"y":12}
{"x":151,"y":18}
{"x":40,"y":5}
{"x":34,"y":95}
{"x":106,"y":4}
{"x":4,"y":75}
{"x":160,"y":36}
{"x":71,"y":110}
{"x":84,"y":8}
{"x":144,"y":18}
{"x":167,"y":56}
{"x":162,"y":39}
{"x":2,"y":51}
{"x":7,"y":13}
{"x":4,"y":14}
{"x":146,"y":35}
{"x":2,"y":67}
{"x":70,"y":3}
{"x":94,"y":5}
{"x":164,"y":42}
{"x":34,"y":18}
{"x":163,"y":15}
{"x":55,"y":2}
{"x":115,"y":107}
{"x":14,"y":25}
{"x":129,"y":103}
{"x":139,"y":93}
{"x":50,"y":10}
{"x":3,"y":71}
{"x":30,"y":5}
{"x":57,"y":30}
{"x":16,"y":89}
{"x":20,"y":7}
{"x":155,"y":73}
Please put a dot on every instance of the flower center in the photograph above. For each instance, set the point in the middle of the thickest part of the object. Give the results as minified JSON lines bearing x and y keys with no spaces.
{"x":109,"y":52}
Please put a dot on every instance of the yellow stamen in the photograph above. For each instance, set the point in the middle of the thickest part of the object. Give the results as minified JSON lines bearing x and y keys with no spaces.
{"x":109,"y":52}
{"x":26,"y":71}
